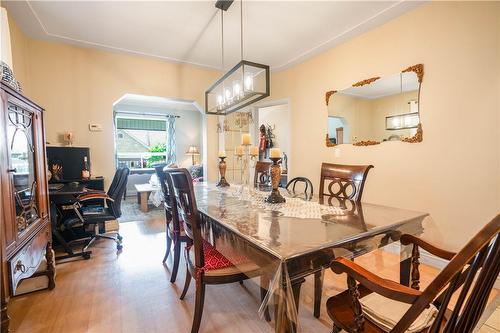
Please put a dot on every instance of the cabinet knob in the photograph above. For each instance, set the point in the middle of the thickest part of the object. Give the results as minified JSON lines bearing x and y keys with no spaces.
{"x":14,"y":170}
{"x":20,"y":267}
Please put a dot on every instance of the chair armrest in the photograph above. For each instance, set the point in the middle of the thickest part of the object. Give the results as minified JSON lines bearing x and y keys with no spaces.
{"x":91,"y":196}
{"x":384,"y":287}
{"x":409,"y":239}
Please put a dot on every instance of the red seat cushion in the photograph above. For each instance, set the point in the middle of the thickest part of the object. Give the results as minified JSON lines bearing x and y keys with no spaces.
{"x":216,"y":260}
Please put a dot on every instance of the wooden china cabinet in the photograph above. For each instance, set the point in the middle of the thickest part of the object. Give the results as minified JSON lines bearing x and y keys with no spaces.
{"x":24,"y":207}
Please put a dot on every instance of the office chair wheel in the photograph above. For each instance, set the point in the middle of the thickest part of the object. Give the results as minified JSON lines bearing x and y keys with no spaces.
{"x":119,"y":237}
{"x":119,"y":247}
{"x":86,"y":256}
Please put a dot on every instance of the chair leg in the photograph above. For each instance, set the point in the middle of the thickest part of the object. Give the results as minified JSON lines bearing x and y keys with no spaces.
{"x":186,"y":283}
{"x":264,"y":286}
{"x":318,"y":290}
{"x":169,"y":245}
{"x":198,"y":307}
{"x":177,"y":259}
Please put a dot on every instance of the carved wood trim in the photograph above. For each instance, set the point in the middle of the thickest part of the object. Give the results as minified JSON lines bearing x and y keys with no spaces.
{"x":328,"y":94}
{"x":366,"y":143}
{"x":328,"y":142}
{"x":418,"y":69}
{"x":365,"y":82}
{"x":418,"y":137}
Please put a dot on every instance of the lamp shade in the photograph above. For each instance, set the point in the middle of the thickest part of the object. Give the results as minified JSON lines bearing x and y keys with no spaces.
{"x":193,"y":150}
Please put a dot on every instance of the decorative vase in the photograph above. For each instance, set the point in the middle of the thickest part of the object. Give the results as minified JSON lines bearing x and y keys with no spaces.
{"x":275,"y":196}
{"x":222,"y":169}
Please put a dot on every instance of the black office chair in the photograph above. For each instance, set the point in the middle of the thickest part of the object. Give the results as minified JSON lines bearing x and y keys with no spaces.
{"x":96,"y":215}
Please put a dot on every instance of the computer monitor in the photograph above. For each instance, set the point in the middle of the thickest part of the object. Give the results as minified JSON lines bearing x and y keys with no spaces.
{"x":70,"y":159}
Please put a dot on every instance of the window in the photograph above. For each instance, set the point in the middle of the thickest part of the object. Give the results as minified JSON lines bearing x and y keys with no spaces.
{"x":143,"y":141}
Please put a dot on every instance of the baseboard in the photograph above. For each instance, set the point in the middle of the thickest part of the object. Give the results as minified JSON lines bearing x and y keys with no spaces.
{"x":429,"y":259}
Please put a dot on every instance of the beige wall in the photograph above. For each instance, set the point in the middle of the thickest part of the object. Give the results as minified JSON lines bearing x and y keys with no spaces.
{"x":454,"y":173}
{"x":78,"y":86}
{"x":19,"y":44}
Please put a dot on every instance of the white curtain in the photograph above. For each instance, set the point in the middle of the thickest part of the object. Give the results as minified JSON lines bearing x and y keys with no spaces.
{"x":171,"y":156}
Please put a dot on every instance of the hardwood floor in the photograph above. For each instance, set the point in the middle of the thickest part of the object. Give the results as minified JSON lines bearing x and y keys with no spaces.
{"x":131,"y":292}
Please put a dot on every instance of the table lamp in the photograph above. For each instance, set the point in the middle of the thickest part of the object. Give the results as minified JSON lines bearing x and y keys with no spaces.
{"x":193,"y":151}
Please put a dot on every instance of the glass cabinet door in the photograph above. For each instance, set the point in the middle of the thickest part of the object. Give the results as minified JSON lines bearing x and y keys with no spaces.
{"x":22,"y":165}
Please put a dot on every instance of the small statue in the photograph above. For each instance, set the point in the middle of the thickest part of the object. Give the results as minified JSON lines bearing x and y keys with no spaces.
{"x":262,"y":142}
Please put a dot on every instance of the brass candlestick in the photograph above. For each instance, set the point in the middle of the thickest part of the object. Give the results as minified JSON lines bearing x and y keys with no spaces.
{"x":222,"y":169}
{"x":275,"y":196}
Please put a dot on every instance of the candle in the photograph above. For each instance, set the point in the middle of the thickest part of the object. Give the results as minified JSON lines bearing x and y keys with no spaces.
{"x":239,"y":151}
{"x":254,"y":151}
{"x":245,"y":139}
{"x":275,"y":153}
{"x":222,"y":153}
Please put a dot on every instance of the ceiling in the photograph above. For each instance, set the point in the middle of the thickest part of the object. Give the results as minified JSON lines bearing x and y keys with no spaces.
{"x":277,"y":33}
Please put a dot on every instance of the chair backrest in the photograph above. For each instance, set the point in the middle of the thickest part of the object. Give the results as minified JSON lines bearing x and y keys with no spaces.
{"x":116,"y":190}
{"x":162,"y":179}
{"x":181,"y":182}
{"x":262,"y":173}
{"x":472,"y":272}
{"x":308,"y":186}
{"x":344,"y":181}
{"x":170,"y":202}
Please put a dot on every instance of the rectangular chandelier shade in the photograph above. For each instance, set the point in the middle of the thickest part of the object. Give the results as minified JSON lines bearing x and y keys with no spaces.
{"x":245,"y":84}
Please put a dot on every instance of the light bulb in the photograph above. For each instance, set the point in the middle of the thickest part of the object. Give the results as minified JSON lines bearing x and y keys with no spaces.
{"x":228,"y":95}
{"x":396,"y":122}
{"x":220,"y":100}
{"x":408,"y":121}
{"x":236,"y":89}
{"x":249,"y":82}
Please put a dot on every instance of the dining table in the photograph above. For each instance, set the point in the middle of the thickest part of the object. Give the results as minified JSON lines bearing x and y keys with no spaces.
{"x":302,"y":236}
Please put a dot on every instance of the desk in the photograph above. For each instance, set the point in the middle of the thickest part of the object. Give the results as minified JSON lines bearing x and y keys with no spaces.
{"x":293,"y":240}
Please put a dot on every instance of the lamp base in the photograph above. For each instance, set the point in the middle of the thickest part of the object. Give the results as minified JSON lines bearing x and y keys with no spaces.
{"x":223,"y":183}
{"x":275,"y":197}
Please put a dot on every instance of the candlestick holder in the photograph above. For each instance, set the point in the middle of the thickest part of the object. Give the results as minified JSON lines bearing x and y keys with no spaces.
{"x":222,"y":169}
{"x":275,"y":196}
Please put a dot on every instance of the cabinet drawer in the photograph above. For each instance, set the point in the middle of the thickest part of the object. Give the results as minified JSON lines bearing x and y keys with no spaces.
{"x":26,"y":261}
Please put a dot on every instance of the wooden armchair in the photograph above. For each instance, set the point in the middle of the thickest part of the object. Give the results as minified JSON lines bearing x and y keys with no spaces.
{"x":204,"y":262}
{"x":343,"y":181}
{"x":174,"y":231}
{"x":471,"y":274}
{"x":339,"y":183}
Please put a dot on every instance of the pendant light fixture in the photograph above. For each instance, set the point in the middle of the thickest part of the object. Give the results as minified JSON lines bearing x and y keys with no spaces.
{"x":244,"y":84}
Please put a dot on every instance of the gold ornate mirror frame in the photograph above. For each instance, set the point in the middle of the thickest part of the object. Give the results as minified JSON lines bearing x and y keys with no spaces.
{"x":418,"y":137}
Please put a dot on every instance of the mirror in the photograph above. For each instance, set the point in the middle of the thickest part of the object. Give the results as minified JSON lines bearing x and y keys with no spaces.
{"x":376,"y":110}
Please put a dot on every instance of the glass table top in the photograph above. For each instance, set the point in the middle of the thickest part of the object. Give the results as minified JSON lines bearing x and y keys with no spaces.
{"x":299,"y":226}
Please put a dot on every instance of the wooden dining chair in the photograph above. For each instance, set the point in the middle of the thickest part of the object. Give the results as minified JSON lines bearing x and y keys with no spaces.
{"x":173,"y":228}
{"x":343,"y":181}
{"x":262,"y":174}
{"x":338,"y":182}
{"x":468,"y":277}
{"x":307,"y":186}
{"x":203,"y":262}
